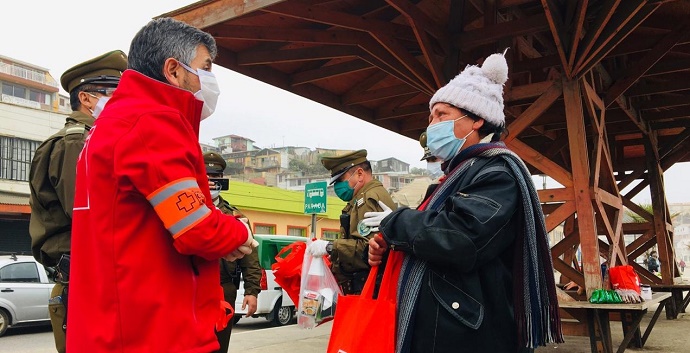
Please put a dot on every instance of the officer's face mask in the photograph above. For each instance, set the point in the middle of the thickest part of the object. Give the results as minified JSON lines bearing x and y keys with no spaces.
{"x":209,"y":91}
{"x":441,"y":140}
{"x":434,"y":169}
{"x":343,"y":189}
{"x":99,"y":105}
{"x":215,"y":194}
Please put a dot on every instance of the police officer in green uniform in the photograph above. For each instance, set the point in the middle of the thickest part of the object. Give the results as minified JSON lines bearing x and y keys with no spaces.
{"x":53,"y":170}
{"x":353,"y":182}
{"x":248,"y":266}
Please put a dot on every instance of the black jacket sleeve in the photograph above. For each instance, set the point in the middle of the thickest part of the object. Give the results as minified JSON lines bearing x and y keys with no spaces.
{"x":471,"y":228}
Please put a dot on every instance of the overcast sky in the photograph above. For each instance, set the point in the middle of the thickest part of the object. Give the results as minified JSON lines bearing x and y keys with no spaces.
{"x":59,"y":34}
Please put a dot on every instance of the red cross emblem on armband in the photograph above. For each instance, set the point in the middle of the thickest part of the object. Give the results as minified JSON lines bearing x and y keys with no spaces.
{"x":185,"y":202}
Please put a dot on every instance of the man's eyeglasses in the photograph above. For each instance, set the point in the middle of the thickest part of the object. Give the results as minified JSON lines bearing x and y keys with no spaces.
{"x":104,"y":91}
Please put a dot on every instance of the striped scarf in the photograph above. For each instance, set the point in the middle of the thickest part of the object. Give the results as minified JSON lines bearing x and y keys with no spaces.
{"x":535,"y":303}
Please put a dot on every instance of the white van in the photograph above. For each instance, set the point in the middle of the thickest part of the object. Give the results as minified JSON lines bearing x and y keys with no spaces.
{"x":273,"y":302}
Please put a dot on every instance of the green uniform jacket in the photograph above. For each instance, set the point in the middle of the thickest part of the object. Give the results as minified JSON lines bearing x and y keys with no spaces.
{"x":349,"y":251}
{"x":52,"y":181}
{"x":249,"y":264}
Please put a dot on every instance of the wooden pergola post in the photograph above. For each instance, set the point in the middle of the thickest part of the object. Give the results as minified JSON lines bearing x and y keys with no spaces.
{"x":663,"y":228}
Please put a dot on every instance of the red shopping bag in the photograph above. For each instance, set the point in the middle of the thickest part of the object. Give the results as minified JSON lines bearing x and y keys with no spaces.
{"x":363,"y":324}
{"x":624,"y":277}
{"x":288,"y":268}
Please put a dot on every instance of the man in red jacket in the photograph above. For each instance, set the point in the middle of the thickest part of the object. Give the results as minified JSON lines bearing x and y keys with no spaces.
{"x":146,"y":237}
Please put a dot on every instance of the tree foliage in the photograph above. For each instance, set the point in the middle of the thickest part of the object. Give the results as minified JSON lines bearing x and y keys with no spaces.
{"x":418,"y":171}
{"x":297,"y":165}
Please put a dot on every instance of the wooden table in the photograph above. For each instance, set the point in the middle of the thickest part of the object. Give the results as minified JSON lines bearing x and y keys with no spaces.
{"x":678,"y":303}
{"x":631,"y":316}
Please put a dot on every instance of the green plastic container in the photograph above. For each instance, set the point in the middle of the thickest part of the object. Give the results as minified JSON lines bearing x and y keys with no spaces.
{"x":270,"y":245}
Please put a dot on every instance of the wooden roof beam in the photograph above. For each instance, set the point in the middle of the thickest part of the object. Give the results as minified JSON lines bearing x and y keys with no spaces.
{"x":490,"y":34}
{"x":619,"y":30}
{"x":330,"y":71}
{"x":295,"y":35}
{"x":672,"y":158}
{"x":399,"y":112}
{"x":668,"y":67}
{"x":421,"y":24}
{"x":597,"y":27}
{"x":378,"y":56}
{"x":677,"y":142}
{"x":204,"y":15}
{"x":673,"y":113}
{"x":534,"y":111}
{"x":323,"y":15}
{"x":377,"y":94}
{"x":641,"y":43}
{"x":670,"y":124}
{"x":281,"y":80}
{"x":517,"y":93}
{"x":675,"y":85}
{"x":580,"y":15}
{"x":370,"y":50}
{"x":557,"y":28}
{"x":301,"y":54}
{"x":385,"y":33}
{"x":634,"y":73}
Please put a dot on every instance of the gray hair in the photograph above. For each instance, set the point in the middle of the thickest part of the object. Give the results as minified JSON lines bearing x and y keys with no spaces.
{"x":165,"y":38}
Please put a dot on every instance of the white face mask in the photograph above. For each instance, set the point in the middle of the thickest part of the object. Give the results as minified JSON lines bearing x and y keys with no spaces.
{"x":99,"y":105}
{"x":215,"y":194}
{"x":434,"y":169}
{"x":209,"y":91}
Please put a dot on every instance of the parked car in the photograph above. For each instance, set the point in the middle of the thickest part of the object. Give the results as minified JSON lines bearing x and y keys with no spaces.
{"x":25,"y":287}
{"x":273,"y":303}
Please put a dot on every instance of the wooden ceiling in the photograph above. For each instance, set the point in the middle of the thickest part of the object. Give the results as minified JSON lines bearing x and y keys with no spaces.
{"x":381,"y":60}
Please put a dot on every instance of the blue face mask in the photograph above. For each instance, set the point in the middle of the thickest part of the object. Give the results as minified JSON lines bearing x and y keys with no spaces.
{"x":434,"y":169}
{"x":441,"y":140}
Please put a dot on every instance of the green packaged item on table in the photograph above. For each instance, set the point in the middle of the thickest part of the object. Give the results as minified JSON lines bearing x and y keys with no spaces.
{"x":602,"y":296}
{"x":595,"y":296}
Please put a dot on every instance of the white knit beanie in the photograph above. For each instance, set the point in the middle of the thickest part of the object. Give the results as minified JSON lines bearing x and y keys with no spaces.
{"x":478,"y":90}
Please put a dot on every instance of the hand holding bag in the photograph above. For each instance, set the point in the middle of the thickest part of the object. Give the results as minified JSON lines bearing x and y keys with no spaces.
{"x":363,"y":324}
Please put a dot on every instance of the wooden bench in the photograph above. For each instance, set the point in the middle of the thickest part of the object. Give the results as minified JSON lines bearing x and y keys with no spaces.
{"x":631,"y":315}
{"x":678,"y":303}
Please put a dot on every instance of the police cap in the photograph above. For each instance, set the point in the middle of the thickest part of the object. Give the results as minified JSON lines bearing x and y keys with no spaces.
{"x":101,"y":70}
{"x":338,"y":165}
{"x":214,"y":162}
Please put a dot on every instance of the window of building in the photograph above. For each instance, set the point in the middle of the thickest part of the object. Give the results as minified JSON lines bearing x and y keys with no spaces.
{"x":62,"y":102}
{"x":38,"y":96}
{"x":13,"y":90}
{"x":297,"y":231}
{"x":330,"y":234}
{"x":22,"y":272}
{"x":15,"y":157}
{"x":262,"y":228}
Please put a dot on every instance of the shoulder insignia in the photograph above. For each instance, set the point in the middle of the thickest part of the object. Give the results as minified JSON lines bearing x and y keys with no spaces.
{"x":76,"y":129}
{"x":360,"y":202}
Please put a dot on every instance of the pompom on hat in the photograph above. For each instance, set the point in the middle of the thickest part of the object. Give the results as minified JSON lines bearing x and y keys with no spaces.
{"x":478,"y":90}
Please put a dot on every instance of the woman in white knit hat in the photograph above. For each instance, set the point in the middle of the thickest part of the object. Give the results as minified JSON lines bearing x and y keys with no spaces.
{"x":477,"y":273}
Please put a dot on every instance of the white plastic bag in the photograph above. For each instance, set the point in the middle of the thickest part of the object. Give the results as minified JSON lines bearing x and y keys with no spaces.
{"x":318,"y":292}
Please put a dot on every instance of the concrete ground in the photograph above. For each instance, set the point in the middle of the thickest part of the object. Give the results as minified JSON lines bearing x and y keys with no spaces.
{"x":669,"y":336}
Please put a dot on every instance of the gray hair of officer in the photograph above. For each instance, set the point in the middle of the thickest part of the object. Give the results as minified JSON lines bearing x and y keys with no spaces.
{"x":165,"y":38}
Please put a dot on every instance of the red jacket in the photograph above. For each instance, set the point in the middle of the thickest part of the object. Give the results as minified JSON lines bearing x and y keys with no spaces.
{"x":146,"y":237}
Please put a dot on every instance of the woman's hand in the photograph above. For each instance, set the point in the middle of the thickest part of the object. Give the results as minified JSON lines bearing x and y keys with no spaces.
{"x":377,"y":247}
